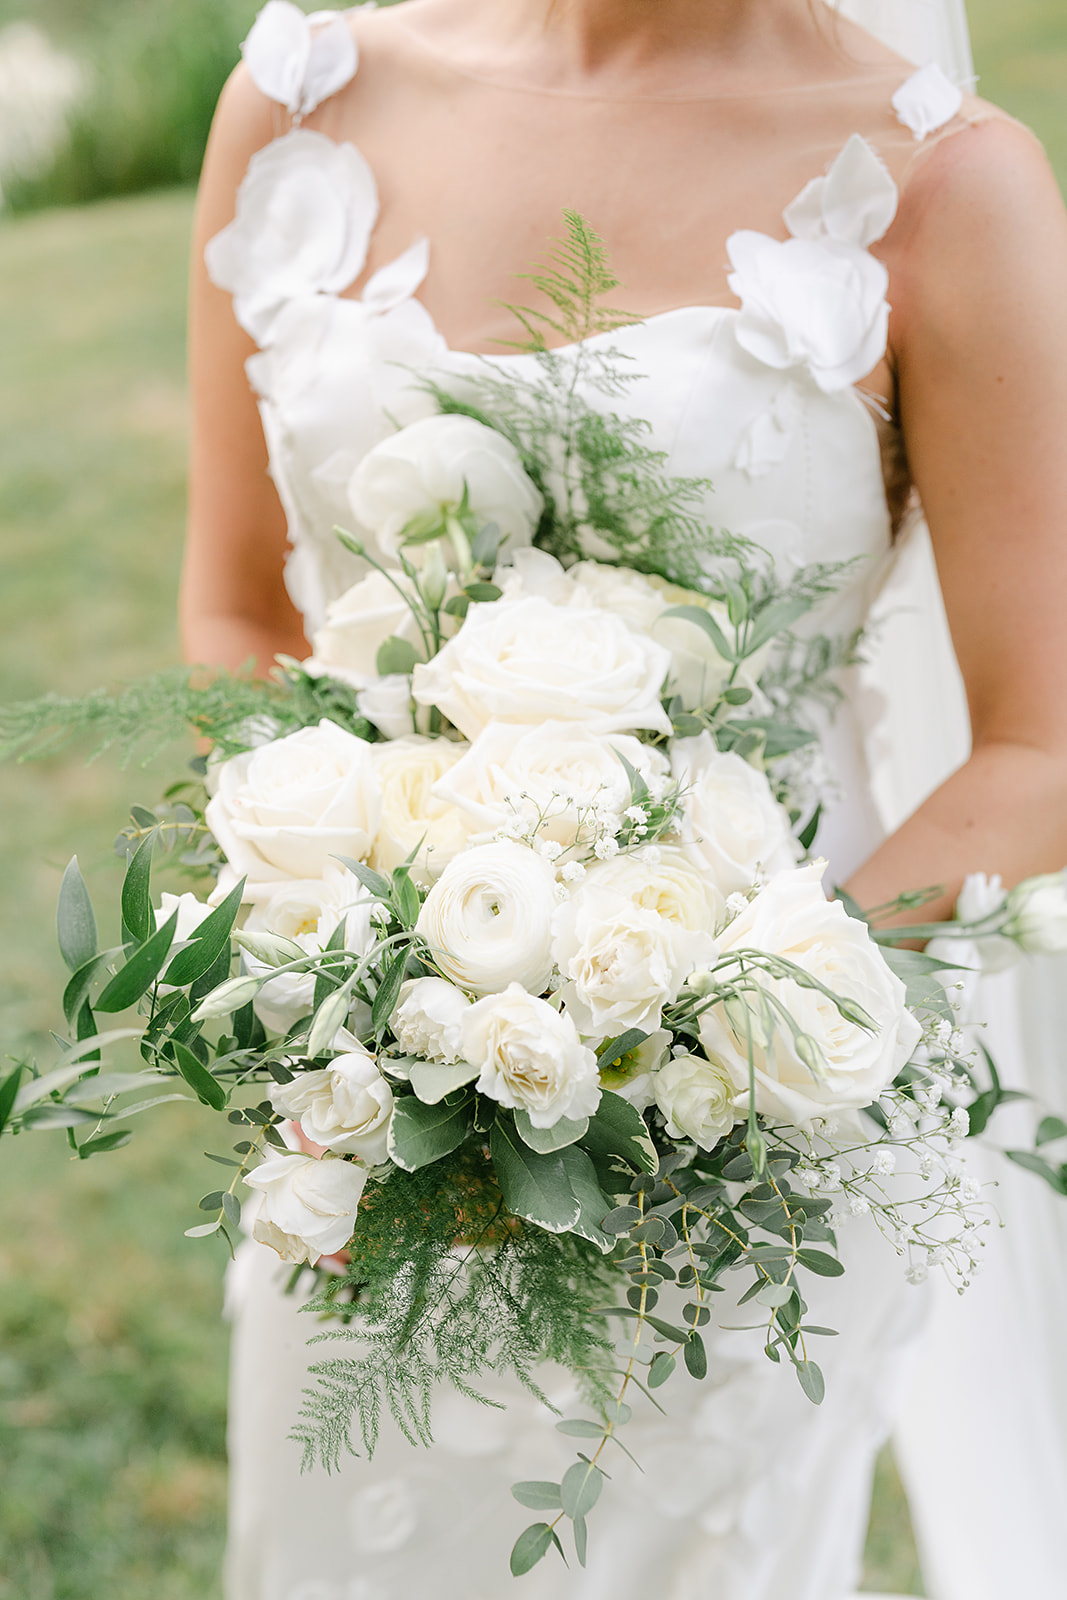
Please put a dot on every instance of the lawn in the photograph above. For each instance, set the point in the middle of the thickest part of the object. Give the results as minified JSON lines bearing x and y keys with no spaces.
{"x":112,"y":1352}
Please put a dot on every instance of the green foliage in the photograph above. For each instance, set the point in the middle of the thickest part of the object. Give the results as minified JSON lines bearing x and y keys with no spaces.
{"x":479,"y":1293}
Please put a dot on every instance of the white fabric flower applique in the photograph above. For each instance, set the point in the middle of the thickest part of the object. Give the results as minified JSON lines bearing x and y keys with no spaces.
{"x":927,"y":101}
{"x":817,"y":301}
{"x":305,"y":213}
{"x":299,"y":60}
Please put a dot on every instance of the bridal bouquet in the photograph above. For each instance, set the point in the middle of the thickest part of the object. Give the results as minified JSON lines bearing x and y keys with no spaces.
{"x":531,"y":1018}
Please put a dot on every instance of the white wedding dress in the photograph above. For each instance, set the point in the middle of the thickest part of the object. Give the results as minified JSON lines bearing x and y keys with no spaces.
{"x":748,"y":1492}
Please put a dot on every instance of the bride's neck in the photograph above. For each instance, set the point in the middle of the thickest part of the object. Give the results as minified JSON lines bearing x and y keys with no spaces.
{"x":628,"y":44}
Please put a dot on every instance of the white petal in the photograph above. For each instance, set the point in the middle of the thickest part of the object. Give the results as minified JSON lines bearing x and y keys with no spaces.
{"x":396,"y":282}
{"x":331,"y":62}
{"x":276,"y":52}
{"x":927,"y":101}
{"x":860,"y":198}
{"x":803,"y":217}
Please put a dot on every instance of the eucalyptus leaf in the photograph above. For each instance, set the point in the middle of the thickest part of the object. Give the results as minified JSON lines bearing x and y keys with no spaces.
{"x":75,"y":922}
{"x":702,"y":619}
{"x":818,"y":1261}
{"x":580,"y":1488}
{"x":537,"y":1495}
{"x":199,"y":1079}
{"x":811,"y":1381}
{"x":531,"y":1546}
{"x":396,"y":657}
{"x":104,"y":1142}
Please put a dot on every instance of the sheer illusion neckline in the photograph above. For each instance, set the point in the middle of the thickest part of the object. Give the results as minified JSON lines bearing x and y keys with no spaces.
{"x":889,"y":73}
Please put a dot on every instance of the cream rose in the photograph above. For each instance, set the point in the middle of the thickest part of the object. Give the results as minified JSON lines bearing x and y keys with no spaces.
{"x":530,"y":661}
{"x":791,"y":918}
{"x":557,"y":771}
{"x":419,"y":477}
{"x":662,"y":879}
{"x":733,"y":827}
{"x":309,"y":1206}
{"x":413,"y":809}
{"x":428,"y":1021}
{"x":488,"y":919}
{"x":307,"y":913}
{"x":346,"y":1107}
{"x":697,"y":1099}
{"x":284,"y":810}
{"x":624,"y":961}
{"x":531,"y":1057}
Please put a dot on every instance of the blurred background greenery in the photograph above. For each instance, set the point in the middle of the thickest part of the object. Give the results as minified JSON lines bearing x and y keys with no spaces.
{"x":112,"y":1351}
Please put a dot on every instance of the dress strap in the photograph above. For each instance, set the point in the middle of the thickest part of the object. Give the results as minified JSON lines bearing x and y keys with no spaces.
{"x":300,"y":60}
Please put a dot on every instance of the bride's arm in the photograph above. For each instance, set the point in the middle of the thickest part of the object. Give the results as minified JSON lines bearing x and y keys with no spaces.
{"x":980,"y":341}
{"x":233,"y":601}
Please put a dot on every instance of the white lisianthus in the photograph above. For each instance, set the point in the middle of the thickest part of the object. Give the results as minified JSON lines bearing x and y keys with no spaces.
{"x":1037,"y":914}
{"x":309,"y":1206}
{"x":697,"y":1099}
{"x":532,"y":572}
{"x":979,"y":899}
{"x":528,"y":661}
{"x":358,"y":624}
{"x":531,"y":1057}
{"x":284,"y":810}
{"x":733,"y":827}
{"x":624,"y":961}
{"x":428,"y":1020}
{"x":632,"y":1076}
{"x":307,"y":912}
{"x":345,"y":1107}
{"x":488,"y":919}
{"x":791,"y":917}
{"x":419,"y":477}
{"x":388,"y":704}
{"x":412,"y":812}
{"x":557,"y":771}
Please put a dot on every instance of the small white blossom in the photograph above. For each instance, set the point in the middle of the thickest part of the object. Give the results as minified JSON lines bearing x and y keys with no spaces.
{"x":884,"y":1162}
{"x":572,"y":872}
{"x":606,"y":847}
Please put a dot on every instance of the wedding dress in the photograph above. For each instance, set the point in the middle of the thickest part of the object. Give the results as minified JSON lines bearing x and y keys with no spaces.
{"x":747,"y":1490}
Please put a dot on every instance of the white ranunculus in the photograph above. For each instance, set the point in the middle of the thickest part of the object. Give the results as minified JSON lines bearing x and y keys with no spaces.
{"x":632,"y":1076}
{"x":815,"y":303}
{"x":307,"y":912}
{"x":623,"y":960}
{"x":531,"y":1057}
{"x":697,"y":1099}
{"x":418,"y":477}
{"x":358,"y":624}
{"x":663,"y":879}
{"x":791,"y":917}
{"x":388,"y":704}
{"x":298,"y":60}
{"x":558,"y":771}
{"x":345,"y":1107}
{"x":488,"y":919}
{"x":428,"y":1020}
{"x":309,"y":1206}
{"x":305,"y":213}
{"x":1038,"y":914}
{"x":284,"y":810}
{"x":529,"y":661}
{"x":413,"y":812}
{"x":733,"y":827}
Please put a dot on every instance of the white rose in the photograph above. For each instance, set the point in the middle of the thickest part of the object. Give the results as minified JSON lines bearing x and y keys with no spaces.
{"x":733,"y":827}
{"x":488,"y":919}
{"x":191,"y":913}
{"x":557,"y":771}
{"x":698,"y":673}
{"x":531,"y":1057}
{"x":307,"y":912}
{"x":791,"y":918}
{"x":409,"y":771}
{"x":284,"y":810}
{"x":632,"y":1076}
{"x":527,"y":572}
{"x":662,"y":879}
{"x":358,"y":624}
{"x":417,"y":478}
{"x":1038,"y":914}
{"x":309,"y":1206}
{"x":346,"y":1107}
{"x":428,"y":1020}
{"x":305,"y":212}
{"x":529,"y":661}
{"x":388,"y":704}
{"x":623,"y":960}
{"x":697,"y":1099}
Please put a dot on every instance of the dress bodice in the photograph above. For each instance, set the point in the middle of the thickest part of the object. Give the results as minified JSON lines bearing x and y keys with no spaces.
{"x":760,"y":398}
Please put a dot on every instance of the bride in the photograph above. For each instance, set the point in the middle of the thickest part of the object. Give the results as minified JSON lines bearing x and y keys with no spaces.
{"x":846,"y":284}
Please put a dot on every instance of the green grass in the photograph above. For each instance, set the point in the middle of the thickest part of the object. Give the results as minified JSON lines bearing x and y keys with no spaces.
{"x":112,"y":1352}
